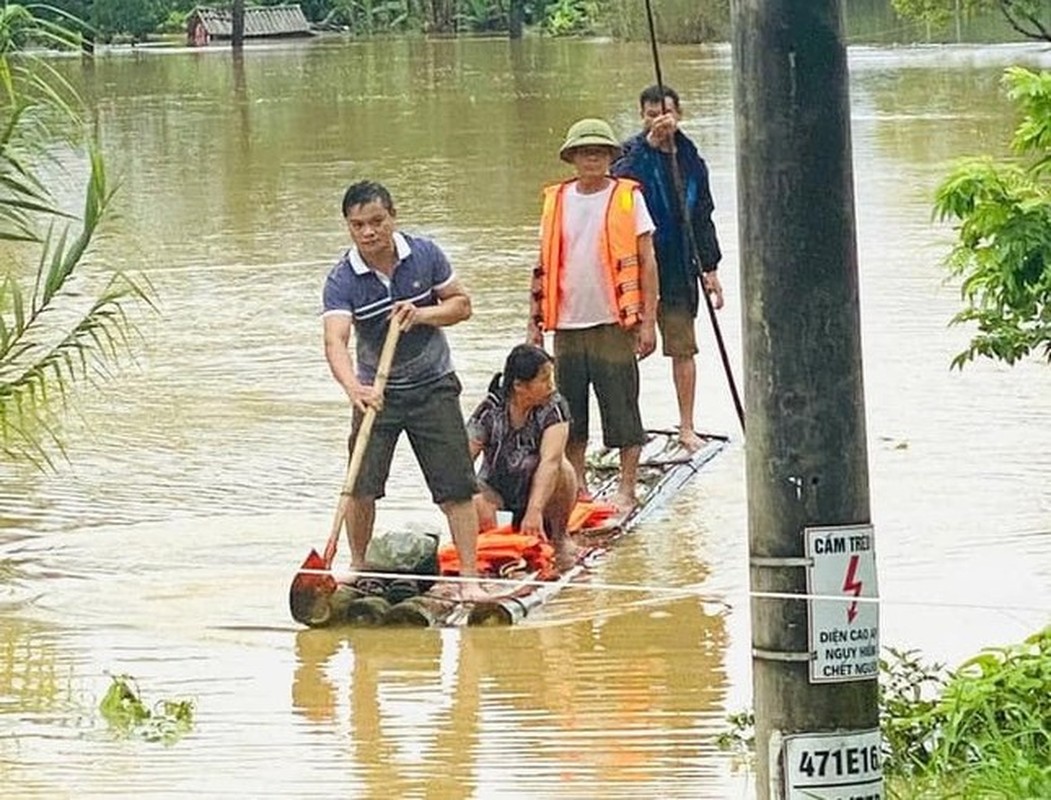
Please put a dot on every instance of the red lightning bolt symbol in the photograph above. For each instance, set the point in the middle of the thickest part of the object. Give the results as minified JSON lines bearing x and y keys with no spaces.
{"x":853,"y":586}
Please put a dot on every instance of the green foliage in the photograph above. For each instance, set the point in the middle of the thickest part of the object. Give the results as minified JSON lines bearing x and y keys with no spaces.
{"x":1000,"y":695}
{"x":137,"y":18}
{"x":481,"y":15}
{"x":175,"y":22}
{"x":907,"y":696}
{"x":127,"y":715}
{"x":1003,"y":249}
{"x":674,"y":21}
{"x":59,"y":331}
{"x":937,"y":12}
{"x":981,"y":731}
{"x":678,"y":20}
{"x":570,"y":17}
{"x":369,"y":17}
{"x":987,"y":734}
{"x":1022,"y":15}
{"x":23,"y":27}
{"x":739,"y":738}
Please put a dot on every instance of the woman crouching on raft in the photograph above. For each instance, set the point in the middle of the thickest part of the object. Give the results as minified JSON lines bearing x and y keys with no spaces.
{"x":521,"y":430}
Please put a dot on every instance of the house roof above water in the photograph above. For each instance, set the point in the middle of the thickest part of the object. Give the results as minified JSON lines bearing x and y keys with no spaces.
{"x":260,"y":21}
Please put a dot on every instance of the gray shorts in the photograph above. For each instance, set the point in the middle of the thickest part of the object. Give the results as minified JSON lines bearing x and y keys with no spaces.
{"x":432,"y":418}
{"x":603,"y":357}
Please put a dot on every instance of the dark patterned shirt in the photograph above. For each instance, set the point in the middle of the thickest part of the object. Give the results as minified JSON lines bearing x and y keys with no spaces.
{"x":510,"y":455}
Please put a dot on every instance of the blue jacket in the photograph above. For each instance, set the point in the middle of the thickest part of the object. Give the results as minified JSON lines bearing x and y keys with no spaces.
{"x":677,"y":267}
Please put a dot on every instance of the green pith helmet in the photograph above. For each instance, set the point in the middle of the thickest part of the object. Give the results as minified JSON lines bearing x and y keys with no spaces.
{"x":586,"y":132}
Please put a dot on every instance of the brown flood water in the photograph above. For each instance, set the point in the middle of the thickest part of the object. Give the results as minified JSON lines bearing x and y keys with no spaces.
{"x":199,"y":479}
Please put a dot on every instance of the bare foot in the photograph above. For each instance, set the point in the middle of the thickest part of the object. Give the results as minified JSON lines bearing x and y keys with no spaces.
{"x":624,"y":503}
{"x":446,"y":590}
{"x":567,"y":552}
{"x":689,"y":439}
{"x":473,"y":592}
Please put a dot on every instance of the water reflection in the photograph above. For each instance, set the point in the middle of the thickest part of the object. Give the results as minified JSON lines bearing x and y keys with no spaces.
{"x":617,"y":706}
{"x":32,"y":678}
{"x":36,"y":687}
{"x":409,"y":699}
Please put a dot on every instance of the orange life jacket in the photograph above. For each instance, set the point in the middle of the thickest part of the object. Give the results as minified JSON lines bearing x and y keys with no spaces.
{"x":504,"y":545}
{"x":618,"y":250}
{"x":497,"y":547}
{"x":589,"y":514}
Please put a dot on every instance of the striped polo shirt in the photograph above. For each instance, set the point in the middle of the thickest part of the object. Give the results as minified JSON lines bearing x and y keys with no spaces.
{"x":355,"y":290}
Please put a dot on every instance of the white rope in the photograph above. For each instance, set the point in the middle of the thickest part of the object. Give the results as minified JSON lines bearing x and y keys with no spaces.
{"x":673,"y":592}
{"x":684,"y":591}
{"x":890,"y":602}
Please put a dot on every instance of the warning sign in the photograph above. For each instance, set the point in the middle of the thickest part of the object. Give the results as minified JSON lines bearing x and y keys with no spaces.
{"x":844,"y":636}
{"x":833,"y":766}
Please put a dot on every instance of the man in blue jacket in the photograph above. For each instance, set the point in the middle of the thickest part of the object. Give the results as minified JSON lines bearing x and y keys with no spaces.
{"x":647,"y":158}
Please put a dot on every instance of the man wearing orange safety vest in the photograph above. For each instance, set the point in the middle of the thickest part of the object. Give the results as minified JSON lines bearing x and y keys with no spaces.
{"x":596,"y":288}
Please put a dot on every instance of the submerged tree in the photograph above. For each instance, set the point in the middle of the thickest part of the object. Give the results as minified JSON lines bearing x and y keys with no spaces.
{"x":1003,"y":250}
{"x":61,"y":324}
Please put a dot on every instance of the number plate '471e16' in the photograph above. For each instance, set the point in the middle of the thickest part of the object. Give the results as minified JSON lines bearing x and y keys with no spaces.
{"x":833,"y":766}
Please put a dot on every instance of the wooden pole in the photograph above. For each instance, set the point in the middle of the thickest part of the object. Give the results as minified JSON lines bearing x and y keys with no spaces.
{"x":806,"y":458}
{"x":686,"y":223}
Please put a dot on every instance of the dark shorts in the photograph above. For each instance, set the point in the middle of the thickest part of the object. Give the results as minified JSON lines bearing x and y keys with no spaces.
{"x":509,"y":500}
{"x":678,"y":334}
{"x":603,"y":357}
{"x":432,"y":418}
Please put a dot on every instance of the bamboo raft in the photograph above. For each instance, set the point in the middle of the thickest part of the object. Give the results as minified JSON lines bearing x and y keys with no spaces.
{"x":664,"y":468}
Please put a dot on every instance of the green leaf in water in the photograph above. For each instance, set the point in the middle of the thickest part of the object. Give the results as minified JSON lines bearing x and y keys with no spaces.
{"x":127,"y":715}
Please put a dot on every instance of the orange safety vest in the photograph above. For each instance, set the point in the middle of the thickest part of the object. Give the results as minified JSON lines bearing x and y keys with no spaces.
{"x":504,"y":545}
{"x":497,"y":547}
{"x":618,"y":249}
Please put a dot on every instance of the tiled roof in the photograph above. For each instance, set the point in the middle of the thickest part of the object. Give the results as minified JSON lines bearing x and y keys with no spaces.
{"x":259,"y":20}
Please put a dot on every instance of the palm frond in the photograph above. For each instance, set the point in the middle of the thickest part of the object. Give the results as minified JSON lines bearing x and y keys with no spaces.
{"x":34,"y":389}
{"x":39,"y":366}
{"x":52,"y":339}
{"x":19,"y":443}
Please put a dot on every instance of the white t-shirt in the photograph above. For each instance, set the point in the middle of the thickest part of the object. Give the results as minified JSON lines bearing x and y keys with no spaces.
{"x":586,"y":297}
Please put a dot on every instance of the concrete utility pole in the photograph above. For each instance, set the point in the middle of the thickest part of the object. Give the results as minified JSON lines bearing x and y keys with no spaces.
{"x":814,"y":663}
{"x":515,"y":19}
{"x":237,"y":24}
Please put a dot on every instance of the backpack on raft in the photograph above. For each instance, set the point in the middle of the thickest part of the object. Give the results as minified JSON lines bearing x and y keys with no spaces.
{"x":409,"y":552}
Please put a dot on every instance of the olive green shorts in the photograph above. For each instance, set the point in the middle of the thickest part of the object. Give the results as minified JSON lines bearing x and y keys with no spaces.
{"x":432,"y":418}
{"x":678,"y":334}
{"x":603,"y":357}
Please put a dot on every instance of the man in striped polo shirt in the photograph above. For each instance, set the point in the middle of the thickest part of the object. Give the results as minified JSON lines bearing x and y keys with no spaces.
{"x":389,"y":277}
